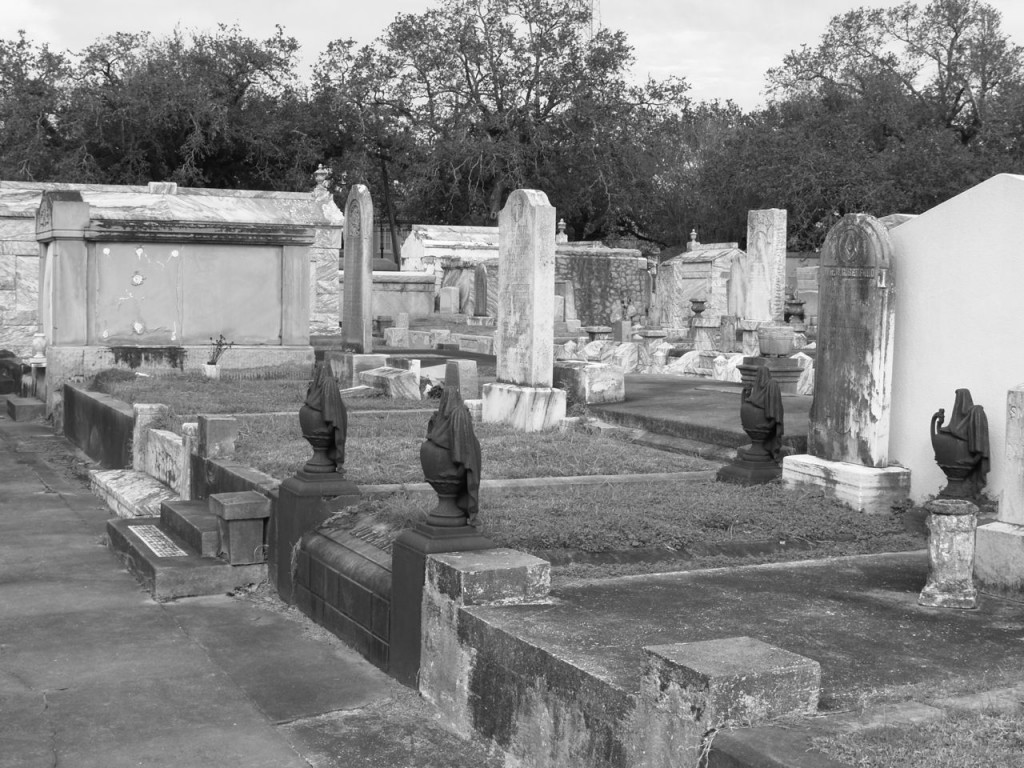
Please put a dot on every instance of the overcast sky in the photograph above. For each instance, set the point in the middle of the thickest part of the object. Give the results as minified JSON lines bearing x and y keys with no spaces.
{"x":722,"y":47}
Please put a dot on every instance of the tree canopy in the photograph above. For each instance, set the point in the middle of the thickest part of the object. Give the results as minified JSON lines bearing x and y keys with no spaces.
{"x":449,"y":110}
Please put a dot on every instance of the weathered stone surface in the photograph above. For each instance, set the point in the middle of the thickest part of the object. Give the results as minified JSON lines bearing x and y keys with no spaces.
{"x":450,"y":300}
{"x":167,"y":460}
{"x":129,"y":493}
{"x":217,"y":436}
{"x":999,"y":559}
{"x":490,"y":577}
{"x":1011,"y":503}
{"x":766,"y":247}
{"x":866,"y":489}
{"x":853,"y":371}
{"x":395,"y":383}
{"x":524,"y":336}
{"x":481,"y":293}
{"x":420,"y":339}
{"x":357,"y":320}
{"x":951,"y":527}
{"x":462,"y":374}
{"x":346,"y":366}
{"x":529,"y":409}
{"x":396,"y":337}
{"x":626,"y":356}
{"x":589,"y":383}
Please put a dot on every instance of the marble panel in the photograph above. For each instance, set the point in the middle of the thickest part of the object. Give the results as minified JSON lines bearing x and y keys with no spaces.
{"x":528,"y":409}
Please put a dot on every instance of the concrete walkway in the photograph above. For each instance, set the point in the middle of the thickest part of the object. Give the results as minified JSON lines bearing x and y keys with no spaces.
{"x":95,"y":673}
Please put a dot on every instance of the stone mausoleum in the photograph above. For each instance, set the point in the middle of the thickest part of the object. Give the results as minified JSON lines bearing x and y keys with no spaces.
{"x":145,"y":278}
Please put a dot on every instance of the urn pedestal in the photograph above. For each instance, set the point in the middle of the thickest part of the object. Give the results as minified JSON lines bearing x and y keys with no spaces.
{"x":951,"y":530}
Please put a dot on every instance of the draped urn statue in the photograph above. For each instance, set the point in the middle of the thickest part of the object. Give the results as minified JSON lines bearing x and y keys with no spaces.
{"x":761,"y":416}
{"x":961,"y":447}
{"x":324,"y":423}
{"x":450,"y":457}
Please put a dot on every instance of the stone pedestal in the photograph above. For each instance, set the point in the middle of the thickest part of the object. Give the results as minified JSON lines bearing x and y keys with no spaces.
{"x":873,"y":490}
{"x":752,"y":466}
{"x":622,"y":330}
{"x":705,"y":331}
{"x":598,"y":332}
{"x":241,"y":523}
{"x":951,"y":527}
{"x":785,"y":371}
{"x":751,"y":346}
{"x":588,"y":383}
{"x":999,"y":560}
{"x":408,"y":569}
{"x":529,"y":409}
{"x":299,"y":509}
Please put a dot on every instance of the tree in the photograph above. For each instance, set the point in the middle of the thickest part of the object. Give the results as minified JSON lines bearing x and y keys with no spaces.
{"x":32,"y":82}
{"x":469,"y":100}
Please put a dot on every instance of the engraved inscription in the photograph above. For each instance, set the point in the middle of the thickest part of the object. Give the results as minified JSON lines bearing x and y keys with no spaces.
{"x":158,"y":541}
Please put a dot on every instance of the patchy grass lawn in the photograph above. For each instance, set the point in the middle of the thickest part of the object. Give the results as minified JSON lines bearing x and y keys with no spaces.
{"x":963,"y":739}
{"x":384,"y":447}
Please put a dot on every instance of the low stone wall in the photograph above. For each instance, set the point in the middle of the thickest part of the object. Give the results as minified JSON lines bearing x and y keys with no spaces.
{"x":396,"y":292}
{"x":99,"y":425}
{"x":602,"y":278}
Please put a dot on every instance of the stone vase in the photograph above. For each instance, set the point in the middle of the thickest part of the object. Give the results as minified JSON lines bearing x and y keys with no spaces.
{"x":211,"y":370}
{"x":319,"y":434}
{"x":448,"y":480}
{"x":956,"y":461}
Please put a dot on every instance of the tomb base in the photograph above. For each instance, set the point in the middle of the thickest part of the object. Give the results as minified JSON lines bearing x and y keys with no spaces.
{"x":587,"y":383}
{"x":346,"y":366}
{"x":951,"y":526}
{"x":999,"y":560}
{"x":874,"y":490}
{"x":529,"y":409}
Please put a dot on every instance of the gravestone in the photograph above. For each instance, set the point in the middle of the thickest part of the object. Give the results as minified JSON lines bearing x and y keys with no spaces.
{"x":766,"y":250}
{"x":999,"y":553}
{"x":848,"y":441}
{"x":524,"y":334}
{"x":357,"y":322}
{"x":855,"y":344}
{"x":480,"y":290}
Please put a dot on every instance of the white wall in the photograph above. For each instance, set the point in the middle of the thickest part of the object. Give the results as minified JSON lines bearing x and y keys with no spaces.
{"x":959,"y":271}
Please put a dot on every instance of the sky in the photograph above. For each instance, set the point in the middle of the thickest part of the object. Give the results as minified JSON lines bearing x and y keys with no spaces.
{"x":722,"y":47}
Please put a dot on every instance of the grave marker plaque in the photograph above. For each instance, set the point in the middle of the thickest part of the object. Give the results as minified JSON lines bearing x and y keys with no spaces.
{"x":357,"y":320}
{"x":849,"y":418}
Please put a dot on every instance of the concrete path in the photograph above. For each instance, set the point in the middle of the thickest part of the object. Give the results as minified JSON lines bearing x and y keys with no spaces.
{"x":95,"y":673}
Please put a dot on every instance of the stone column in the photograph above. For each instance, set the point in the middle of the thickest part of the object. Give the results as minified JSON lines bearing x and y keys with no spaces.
{"x":999,"y":562}
{"x":951,"y":525}
{"x":357,"y":307}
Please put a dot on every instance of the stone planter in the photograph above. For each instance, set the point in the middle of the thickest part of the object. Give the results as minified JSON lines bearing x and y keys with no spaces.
{"x":775,"y":341}
{"x":211,"y":370}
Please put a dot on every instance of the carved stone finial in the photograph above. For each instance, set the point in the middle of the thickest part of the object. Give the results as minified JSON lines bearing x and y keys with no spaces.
{"x":321,"y":189}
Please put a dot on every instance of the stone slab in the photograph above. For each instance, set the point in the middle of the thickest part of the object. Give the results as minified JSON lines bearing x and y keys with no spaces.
{"x":193,"y":523}
{"x":999,"y":559}
{"x":240,"y":505}
{"x":25,"y":408}
{"x":874,"y":490}
{"x":168,"y":578}
{"x":529,"y":409}
{"x":395,"y":383}
{"x":490,"y":577}
{"x":346,"y":366}
{"x":586,"y":383}
{"x":129,"y":493}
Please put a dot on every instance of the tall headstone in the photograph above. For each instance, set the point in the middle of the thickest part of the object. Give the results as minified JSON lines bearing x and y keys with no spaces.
{"x":480,"y":290}
{"x":853,"y":371}
{"x":357,"y":322}
{"x":999,"y":553}
{"x":524,"y":333}
{"x":524,"y":339}
{"x":848,"y":441}
{"x":766,"y":249}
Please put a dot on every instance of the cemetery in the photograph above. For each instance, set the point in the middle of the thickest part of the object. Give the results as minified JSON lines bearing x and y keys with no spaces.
{"x":587,"y":416}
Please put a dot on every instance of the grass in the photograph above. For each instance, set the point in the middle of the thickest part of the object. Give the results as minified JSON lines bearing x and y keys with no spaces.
{"x":962,"y":739}
{"x":384,"y":447}
{"x":671,"y":515}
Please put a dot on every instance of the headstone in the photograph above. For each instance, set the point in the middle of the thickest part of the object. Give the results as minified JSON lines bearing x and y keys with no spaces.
{"x":766,"y":249}
{"x":850,"y":413}
{"x":402,"y":320}
{"x":848,"y":440}
{"x":526,"y":284}
{"x":999,"y":558}
{"x":480,"y":290}
{"x":622,"y":330}
{"x":462,"y":375}
{"x":357,"y":323}
{"x":450,"y":300}
{"x":524,"y":335}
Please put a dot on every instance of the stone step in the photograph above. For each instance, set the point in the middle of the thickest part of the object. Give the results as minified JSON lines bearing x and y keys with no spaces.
{"x":129,"y":493}
{"x":168,"y":567}
{"x":193,"y":523}
{"x":25,"y":408}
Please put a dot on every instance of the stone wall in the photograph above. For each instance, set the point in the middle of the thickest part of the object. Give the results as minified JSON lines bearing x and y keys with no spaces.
{"x":602,"y":278}
{"x":19,"y":284}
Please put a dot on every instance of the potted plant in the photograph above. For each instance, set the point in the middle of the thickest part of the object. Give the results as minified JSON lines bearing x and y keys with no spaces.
{"x":218,"y":346}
